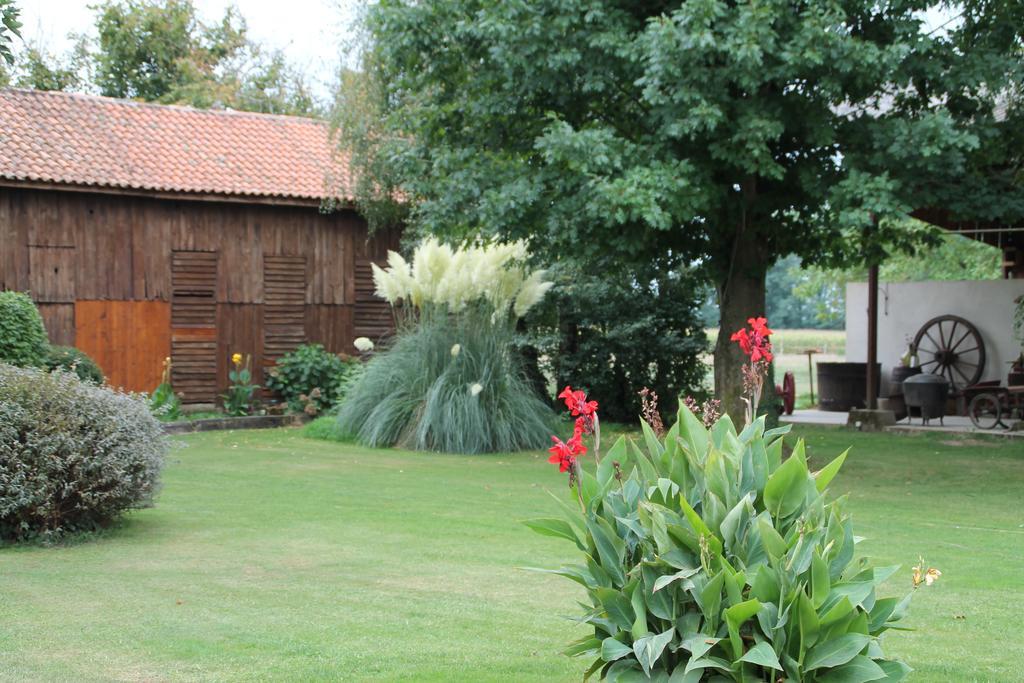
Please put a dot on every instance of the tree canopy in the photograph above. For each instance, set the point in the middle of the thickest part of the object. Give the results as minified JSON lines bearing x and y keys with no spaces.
{"x":727,"y":134}
{"x":160,"y":51}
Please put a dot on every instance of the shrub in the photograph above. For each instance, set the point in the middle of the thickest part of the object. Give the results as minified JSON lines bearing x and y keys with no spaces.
{"x":73,"y":360}
{"x":708,"y":557}
{"x":163,"y":402}
{"x":309,"y":371}
{"x":73,"y":456}
{"x":623,"y":332}
{"x":23,"y":339}
{"x":451,"y":379}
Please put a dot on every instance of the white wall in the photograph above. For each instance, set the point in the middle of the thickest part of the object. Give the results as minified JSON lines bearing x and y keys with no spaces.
{"x":903,"y":307}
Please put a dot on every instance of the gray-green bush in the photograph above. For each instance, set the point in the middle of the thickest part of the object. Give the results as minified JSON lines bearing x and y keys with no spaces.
{"x":73,"y":456}
{"x":23,"y":339}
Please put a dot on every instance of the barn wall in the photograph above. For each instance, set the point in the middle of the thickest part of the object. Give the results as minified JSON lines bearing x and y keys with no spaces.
{"x":281,"y":275}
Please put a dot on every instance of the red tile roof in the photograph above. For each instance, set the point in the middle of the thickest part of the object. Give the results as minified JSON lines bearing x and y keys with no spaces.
{"x":85,"y":140}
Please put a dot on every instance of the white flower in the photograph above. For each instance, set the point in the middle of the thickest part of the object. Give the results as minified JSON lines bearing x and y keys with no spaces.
{"x":456,"y":349}
{"x":363,"y":344}
{"x":475,"y":388}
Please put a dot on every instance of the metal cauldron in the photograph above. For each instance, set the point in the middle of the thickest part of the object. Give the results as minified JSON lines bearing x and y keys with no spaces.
{"x":928,"y":394}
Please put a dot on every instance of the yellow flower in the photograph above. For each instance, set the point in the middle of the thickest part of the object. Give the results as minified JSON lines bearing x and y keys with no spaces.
{"x":236,"y":359}
{"x":926,"y":576}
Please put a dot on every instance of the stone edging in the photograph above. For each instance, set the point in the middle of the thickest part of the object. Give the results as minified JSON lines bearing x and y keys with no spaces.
{"x":247,"y":422}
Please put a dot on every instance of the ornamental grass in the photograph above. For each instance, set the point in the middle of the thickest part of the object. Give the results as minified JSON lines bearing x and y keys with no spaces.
{"x":451,"y":380}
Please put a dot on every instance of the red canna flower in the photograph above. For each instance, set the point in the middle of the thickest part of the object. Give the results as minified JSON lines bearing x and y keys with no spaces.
{"x":754,"y":342}
{"x":577,"y":403}
{"x":741,"y":337}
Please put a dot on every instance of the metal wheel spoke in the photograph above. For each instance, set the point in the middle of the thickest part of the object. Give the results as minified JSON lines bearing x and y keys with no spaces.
{"x":928,"y":363}
{"x":942,"y":336}
{"x":929,"y":335}
{"x":967,"y":380}
{"x":973,"y":348}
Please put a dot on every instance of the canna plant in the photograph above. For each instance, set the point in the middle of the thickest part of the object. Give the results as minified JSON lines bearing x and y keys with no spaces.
{"x":708,"y":557}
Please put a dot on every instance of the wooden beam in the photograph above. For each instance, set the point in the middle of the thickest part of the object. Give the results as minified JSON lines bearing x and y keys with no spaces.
{"x":872,"y":388}
{"x":180,"y":196}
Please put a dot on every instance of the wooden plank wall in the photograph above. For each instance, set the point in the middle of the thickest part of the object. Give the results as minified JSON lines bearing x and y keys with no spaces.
{"x":68,"y":247}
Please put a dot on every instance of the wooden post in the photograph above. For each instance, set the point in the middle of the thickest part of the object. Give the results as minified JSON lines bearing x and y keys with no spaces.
{"x":872,"y":389}
{"x":810,"y":372}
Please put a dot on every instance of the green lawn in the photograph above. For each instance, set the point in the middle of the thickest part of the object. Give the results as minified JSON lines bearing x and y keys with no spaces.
{"x":274,"y":557}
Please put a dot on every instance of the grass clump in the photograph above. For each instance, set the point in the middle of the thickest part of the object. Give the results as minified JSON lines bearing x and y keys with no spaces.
{"x":452,"y":380}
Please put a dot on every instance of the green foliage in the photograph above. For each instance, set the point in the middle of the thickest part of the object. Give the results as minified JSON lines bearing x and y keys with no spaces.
{"x":160,"y":51}
{"x":72,"y":360}
{"x":155,"y":50}
{"x":711,"y":558}
{"x":239,"y":399}
{"x":724,"y":134}
{"x":944,"y":257}
{"x":326,"y":429}
{"x":622,"y":334}
{"x":450,"y":384}
{"x":309,"y":378}
{"x":163,"y":402}
{"x":23,"y":339}
{"x":73,"y":456}
{"x":9,"y":24}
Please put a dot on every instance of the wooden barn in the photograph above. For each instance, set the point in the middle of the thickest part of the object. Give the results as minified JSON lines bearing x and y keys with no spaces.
{"x":145,"y":231}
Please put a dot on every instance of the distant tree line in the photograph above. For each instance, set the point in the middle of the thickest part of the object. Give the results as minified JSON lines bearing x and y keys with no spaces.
{"x":811,"y":297}
{"x":161,"y":51}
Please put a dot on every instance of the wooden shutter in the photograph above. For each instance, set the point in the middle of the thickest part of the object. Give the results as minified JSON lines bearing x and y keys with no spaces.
{"x":284,"y":305}
{"x":373,"y":316}
{"x":194,"y":325}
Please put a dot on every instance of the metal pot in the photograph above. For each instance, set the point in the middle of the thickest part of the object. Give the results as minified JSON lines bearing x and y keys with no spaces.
{"x":928,"y":394}
{"x":899,"y":374}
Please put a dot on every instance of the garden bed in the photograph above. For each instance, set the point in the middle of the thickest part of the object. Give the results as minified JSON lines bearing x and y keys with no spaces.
{"x":245,"y":422}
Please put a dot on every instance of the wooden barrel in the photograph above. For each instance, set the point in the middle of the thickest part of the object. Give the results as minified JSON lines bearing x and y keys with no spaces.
{"x":843,"y":386}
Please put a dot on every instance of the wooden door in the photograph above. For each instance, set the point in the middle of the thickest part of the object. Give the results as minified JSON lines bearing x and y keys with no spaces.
{"x":129,"y":340}
{"x":194,"y":325}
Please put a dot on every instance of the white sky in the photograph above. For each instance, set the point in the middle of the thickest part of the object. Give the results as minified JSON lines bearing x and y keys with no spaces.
{"x":312,"y":33}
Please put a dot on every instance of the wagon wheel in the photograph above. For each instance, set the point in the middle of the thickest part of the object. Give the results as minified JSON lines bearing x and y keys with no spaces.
{"x":985,"y":411}
{"x":952,"y":347}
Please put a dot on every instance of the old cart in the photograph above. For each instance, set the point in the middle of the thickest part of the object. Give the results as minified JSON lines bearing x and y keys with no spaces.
{"x":992,"y":405}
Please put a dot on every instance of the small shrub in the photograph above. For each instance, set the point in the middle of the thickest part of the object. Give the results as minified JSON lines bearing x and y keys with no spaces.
{"x":73,"y":456}
{"x":312,"y":372}
{"x":706,"y":556}
{"x":23,"y":339}
{"x":623,"y":332}
{"x":163,"y":402}
{"x":73,"y":360}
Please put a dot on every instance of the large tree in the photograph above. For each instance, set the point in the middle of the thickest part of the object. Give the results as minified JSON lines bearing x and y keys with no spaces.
{"x":726,"y":133}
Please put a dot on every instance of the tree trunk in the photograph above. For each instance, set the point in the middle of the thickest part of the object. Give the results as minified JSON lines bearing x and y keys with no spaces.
{"x":741,"y":295}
